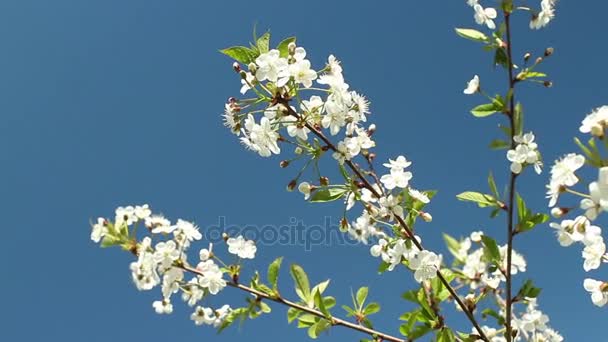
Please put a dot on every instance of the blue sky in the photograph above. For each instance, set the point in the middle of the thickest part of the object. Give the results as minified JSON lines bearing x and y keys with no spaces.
{"x":107,"y":103}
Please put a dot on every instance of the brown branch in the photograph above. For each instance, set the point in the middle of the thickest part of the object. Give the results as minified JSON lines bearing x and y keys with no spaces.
{"x":513,"y":178}
{"x":406,"y":229}
{"x":334,"y":321}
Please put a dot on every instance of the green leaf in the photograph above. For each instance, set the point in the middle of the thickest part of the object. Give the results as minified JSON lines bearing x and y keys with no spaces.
{"x":371,"y":308}
{"x":518,"y":119}
{"x":471,"y":34}
{"x":273,"y":272}
{"x":499,"y":144}
{"x":484,"y":110}
{"x":501,"y":58}
{"x":361,"y":296}
{"x":482,"y":200}
{"x":263,"y":43}
{"x":292,"y":314}
{"x":528,"y":290}
{"x":492,"y":313}
{"x":328,"y":195}
{"x":446,"y":335}
{"x":320,"y":304}
{"x":241,"y":54}
{"x":490,"y":249}
{"x":301,"y":280}
{"x":283,"y":46}
{"x":492,"y":185}
{"x":452,"y":244}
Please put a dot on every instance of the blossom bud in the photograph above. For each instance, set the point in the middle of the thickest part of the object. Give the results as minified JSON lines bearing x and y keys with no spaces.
{"x":243,"y":74}
{"x":283,"y":111}
{"x":232,"y":100}
{"x":548,"y":84}
{"x":539,"y":60}
{"x":426,"y":216}
{"x":559,"y":212}
{"x":476,"y":236}
{"x":252,"y":68}
{"x":298,"y":150}
{"x":527,"y":56}
{"x":324,"y":181}
{"x":291,"y":48}
{"x":371,"y":129}
{"x":292,"y":185}
{"x":236,"y":66}
{"x":371,"y":157}
{"x":604,"y":287}
{"x":597,"y":131}
{"x":343,"y":224}
{"x":225,"y":237}
{"x":548,"y":51}
{"x":284,"y":163}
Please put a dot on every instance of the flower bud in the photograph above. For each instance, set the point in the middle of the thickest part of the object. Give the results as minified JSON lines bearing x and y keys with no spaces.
{"x":371,"y":129}
{"x":597,"y":131}
{"x":604,"y":287}
{"x":324,"y":181}
{"x":426,"y":216}
{"x":371,"y":157}
{"x":291,"y":48}
{"x":548,"y":84}
{"x":225,"y":237}
{"x":236,"y":66}
{"x":548,"y":51}
{"x":243,"y":74}
{"x":539,"y":60}
{"x":252,"y":68}
{"x":284,"y":163}
{"x":343,"y":224}
{"x":298,"y":150}
{"x":527,"y":56}
{"x":476,"y":236}
{"x":292,"y":185}
{"x":559,"y":212}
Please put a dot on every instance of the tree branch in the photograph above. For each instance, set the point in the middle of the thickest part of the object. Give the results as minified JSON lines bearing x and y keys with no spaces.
{"x":406,"y":229}
{"x":334,"y":321}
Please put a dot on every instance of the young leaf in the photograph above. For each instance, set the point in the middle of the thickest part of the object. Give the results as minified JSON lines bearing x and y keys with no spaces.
{"x":471,"y":34}
{"x":482,"y":200}
{"x":492,"y":185}
{"x":301,"y":280}
{"x":273,"y":272}
{"x":490,"y":249}
{"x":241,"y":54}
{"x":263,"y":43}
{"x":361,"y":296}
{"x":328,"y":195}
{"x":485,"y":110}
{"x":371,"y":308}
{"x":320,"y":304}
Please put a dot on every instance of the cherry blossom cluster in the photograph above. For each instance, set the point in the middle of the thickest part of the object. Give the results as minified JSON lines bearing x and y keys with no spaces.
{"x":486,"y":16}
{"x":424,"y":263}
{"x":327,"y":111}
{"x":582,"y":229}
{"x":525,"y":153}
{"x":531,"y":325}
{"x":162,"y":259}
{"x":482,"y":278}
{"x":478,"y":272}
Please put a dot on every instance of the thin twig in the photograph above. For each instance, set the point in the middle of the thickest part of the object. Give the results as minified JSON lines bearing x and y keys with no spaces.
{"x":406,"y":229}
{"x":333,"y":320}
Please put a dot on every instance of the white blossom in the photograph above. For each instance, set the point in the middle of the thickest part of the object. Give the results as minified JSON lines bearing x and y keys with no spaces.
{"x":271,"y":66}
{"x":593,"y":255}
{"x":485,"y":16}
{"x":163,"y":307}
{"x":245,"y":249}
{"x":595,"y":122}
{"x":425,"y":265}
{"x":598,"y":291}
{"x":99,"y":230}
{"x":472,"y":86}
{"x":211,"y":278}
